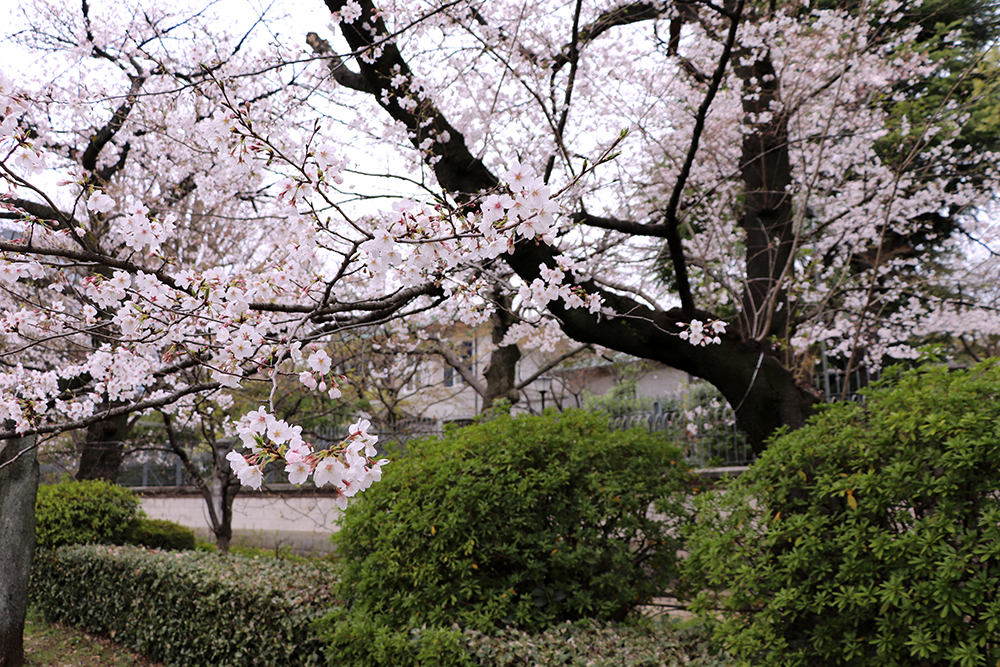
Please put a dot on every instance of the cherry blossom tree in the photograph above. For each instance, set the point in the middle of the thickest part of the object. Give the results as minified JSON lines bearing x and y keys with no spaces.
{"x":771,"y":170}
{"x":720,"y":187}
{"x":162,"y":245}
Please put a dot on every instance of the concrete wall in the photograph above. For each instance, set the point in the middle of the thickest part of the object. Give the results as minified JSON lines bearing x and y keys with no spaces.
{"x":298,"y":520}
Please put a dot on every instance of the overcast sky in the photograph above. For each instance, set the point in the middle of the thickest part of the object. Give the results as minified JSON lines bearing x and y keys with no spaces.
{"x":289,"y":20}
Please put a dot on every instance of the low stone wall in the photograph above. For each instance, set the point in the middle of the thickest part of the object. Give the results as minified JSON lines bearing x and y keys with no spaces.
{"x":273,"y":518}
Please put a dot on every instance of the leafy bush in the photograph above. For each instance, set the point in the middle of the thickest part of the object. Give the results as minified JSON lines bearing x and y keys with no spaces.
{"x":524,"y":521}
{"x":84,"y":512}
{"x":160,"y":534}
{"x":187,"y":608}
{"x":594,"y":644}
{"x":869,"y":537}
{"x":584,"y":643}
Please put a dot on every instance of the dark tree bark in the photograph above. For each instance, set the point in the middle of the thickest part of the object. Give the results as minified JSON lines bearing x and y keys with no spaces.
{"x":102,"y":451}
{"x":747,"y":370}
{"x":501,"y":373}
{"x":768,"y":214}
{"x":18,"y":489}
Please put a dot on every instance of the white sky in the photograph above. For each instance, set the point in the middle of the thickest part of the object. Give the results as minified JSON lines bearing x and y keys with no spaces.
{"x":288,"y":20}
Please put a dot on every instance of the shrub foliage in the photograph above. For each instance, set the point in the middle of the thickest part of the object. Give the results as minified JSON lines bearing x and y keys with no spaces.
{"x":869,"y":537}
{"x":582,"y":644}
{"x":594,"y":644}
{"x":188,"y":608}
{"x":520,"y":522}
{"x":84,"y":512}
{"x":160,"y":534}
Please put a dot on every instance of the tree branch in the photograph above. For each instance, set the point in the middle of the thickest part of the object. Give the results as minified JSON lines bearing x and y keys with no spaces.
{"x":107,"y":133}
{"x":338,"y":69}
{"x":625,"y":226}
{"x":545,"y":368}
{"x":393,"y":301}
{"x":91,"y":257}
{"x":670,"y":215}
{"x":168,"y":399}
{"x":40,"y":211}
{"x":456,"y":362}
{"x":626,"y":14}
{"x":456,"y":168}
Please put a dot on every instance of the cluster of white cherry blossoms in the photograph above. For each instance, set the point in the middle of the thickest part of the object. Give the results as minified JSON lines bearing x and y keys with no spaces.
{"x":696,"y":333}
{"x":350,"y":467}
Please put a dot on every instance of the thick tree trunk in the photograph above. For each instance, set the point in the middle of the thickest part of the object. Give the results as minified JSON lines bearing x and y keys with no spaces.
{"x":501,"y":373}
{"x":101,"y":456}
{"x":18,"y":489}
{"x":768,"y":214}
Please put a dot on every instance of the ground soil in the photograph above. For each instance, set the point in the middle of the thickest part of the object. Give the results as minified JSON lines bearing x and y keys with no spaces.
{"x":51,"y":645}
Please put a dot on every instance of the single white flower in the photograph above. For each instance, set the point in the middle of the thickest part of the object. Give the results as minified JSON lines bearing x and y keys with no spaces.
{"x":100,"y":202}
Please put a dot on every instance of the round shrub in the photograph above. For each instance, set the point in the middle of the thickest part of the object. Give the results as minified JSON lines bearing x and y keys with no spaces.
{"x":869,"y":537}
{"x":83,"y":512}
{"x":521,"y":522}
{"x":160,"y":534}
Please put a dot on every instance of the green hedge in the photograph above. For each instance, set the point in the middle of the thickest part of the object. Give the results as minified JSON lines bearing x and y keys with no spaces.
{"x":84,"y":512}
{"x":522,"y":522}
{"x":582,"y":644}
{"x":161,"y":534}
{"x":187,"y":608}
{"x":595,"y":644}
{"x":869,"y":537}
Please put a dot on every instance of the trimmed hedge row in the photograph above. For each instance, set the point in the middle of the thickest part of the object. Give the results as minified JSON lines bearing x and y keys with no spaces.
{"x":187,"y":608}
{"x":584,"y":643}
{"x":595,"y":644}
{"x":198,"y":609}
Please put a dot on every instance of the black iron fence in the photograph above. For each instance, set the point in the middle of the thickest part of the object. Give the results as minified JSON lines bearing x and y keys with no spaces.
{"x":704,"y":428}
{"x":161,"y":469}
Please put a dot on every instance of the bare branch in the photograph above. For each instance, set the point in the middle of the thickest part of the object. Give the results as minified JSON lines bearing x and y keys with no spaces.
{"x":624,"y":226}
{"x":461,"y":366}
{"x":108,"y":132}
{"x":545,"y":368}
{"x":670,"y":215}
{"x":626,"y":14}
{"x":338,"y":69}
